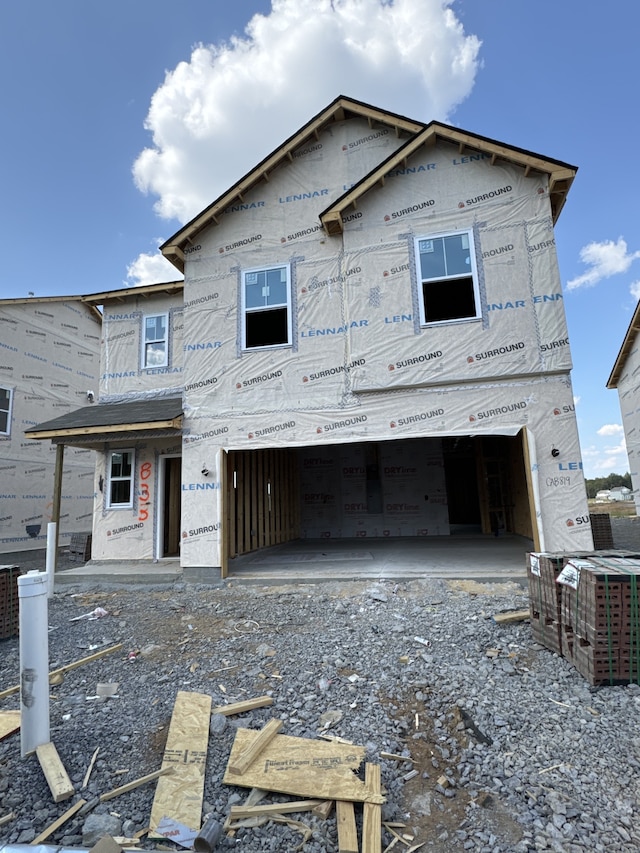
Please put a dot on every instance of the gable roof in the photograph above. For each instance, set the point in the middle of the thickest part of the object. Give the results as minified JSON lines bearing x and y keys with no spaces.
{"x":418,"y":134}
{"x":627,"y":345}
{"x":26,"y":300}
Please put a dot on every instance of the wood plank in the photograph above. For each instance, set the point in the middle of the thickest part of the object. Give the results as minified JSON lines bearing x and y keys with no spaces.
{"x":372,"y":812}
{"x":179,"y":795}
{"x":303,"y":768}
{"x":245,"y":705}
{"x":513,"y":616}
{"x":61,"y":672}
{"x":58,"y":823}
{"x":323,"y":810}
{"x":7,"y":818}
{"x":239,"y":812}
{"x":347,"y":831}
{"x":9,"y":723}
{"x":136,"y":783}
{"x":253,"y":750}
{"x":54,"y":772}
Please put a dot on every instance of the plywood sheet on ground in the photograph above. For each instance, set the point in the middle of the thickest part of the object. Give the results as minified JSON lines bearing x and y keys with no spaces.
{"x":9,"y":723}
{"x":302,"y":767}
{"x":179,"y":795}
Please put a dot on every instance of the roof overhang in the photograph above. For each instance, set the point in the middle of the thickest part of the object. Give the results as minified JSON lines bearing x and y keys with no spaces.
{"x":628,"y":344}
{"x":113,"y":420}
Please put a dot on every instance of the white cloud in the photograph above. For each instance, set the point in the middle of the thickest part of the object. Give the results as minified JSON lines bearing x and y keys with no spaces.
{"x":611,"y":429}
{"x":634,"y":289}
{"x":604,"y":259}
{"x":220,"y":113}
{"x":151,"y":269}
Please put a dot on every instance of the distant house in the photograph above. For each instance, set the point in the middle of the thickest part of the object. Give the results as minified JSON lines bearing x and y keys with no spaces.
{"x":370,"y":342}
{"x":602,"y":496}
{"x":620,"y":493}
{"x":625,"y":378}
{"x":49,"y":364}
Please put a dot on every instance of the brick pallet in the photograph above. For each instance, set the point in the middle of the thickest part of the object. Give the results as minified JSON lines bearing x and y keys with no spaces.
{"x":80,"y":547}
{"x":587,"y":608}
{"x":9,"y":606}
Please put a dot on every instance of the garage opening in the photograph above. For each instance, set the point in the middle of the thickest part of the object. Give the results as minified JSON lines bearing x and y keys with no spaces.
{"x":417,"y":487}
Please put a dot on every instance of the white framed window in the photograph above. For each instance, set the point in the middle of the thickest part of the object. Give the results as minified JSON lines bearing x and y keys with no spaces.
{"x":447,"y":278}
{"x":121,"y":470}
{"x":266,"y":307}
{"x":6,"y":401}
{"x":154,"y":340}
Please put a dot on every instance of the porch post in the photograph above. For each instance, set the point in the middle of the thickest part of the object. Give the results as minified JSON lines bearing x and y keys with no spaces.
{"x":57,"y":496}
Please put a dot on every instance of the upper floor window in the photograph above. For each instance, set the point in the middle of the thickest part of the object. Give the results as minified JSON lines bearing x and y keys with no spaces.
{"x":6,"y":398}
{"x":120,"y":491}
{"x":155,"y":345}
{"x":266,"y":307}
{"x":448,"y":279}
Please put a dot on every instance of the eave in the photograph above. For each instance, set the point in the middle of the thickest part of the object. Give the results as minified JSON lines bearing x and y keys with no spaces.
{"x":628,"y":344}
{"x":173,"y":424}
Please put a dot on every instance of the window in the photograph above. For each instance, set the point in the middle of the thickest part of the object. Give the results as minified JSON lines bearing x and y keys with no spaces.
{"x":121,"y":479}
{"x":448,"y":280}
{"x":6,"y":397}
{"x":266,"y":307}
{"x":154,"y":352}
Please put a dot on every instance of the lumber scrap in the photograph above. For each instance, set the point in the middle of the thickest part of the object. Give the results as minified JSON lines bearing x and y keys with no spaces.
{"x":56,"y":676}
{"x":57,"y":778}
{"x":7,"y":818}
{"x":512,"y":616}
{"x":238,"y":812}
{"x":323,"y":810}
{"x":302,"y":767}
{"x":372,"y":812}
{"x":90,"y":767}
{"x":347,"y":831}
{"x":9,"y":723}
{"x":136,"y":783}
{"x":179,"y":796}
{"x":245,"y":705}
{"x":253,"y":750}
{"x":58,"y":823}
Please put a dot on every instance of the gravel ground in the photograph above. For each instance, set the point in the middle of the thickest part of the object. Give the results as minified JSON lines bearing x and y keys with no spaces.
{"x":532,"y":757}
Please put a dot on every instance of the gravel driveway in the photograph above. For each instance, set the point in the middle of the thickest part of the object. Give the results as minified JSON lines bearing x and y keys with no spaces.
{"x":505,"y":747}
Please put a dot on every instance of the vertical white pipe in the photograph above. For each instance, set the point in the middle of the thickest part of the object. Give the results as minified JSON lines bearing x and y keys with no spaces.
{"x":51,"y":556}
{"x":34,"y":661}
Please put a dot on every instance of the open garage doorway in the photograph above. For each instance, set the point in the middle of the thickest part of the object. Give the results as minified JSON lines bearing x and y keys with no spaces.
{"x":418,"y":487}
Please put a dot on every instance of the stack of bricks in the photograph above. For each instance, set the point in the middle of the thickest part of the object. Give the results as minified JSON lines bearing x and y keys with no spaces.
{"x":600,"y":618}
{"x":586,"y":608}
{"x":9,"y":606}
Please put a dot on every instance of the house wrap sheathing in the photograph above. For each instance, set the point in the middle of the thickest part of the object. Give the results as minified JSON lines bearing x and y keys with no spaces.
{"x":363,"y":399}
{"x":49,"y":360}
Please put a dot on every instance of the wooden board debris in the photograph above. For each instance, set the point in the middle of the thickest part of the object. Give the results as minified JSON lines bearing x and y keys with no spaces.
{"x":238,"y":812}
{"x":242,"y":707}
{"x":512,"y":616}
{"x":54,"y":772}
{"x":179,"y":796}
{"x":136,"y":783}
{"x":9,"y":723}
{"x":323,"y":810}
{"x":253,"y":750}
{"x":302,"y":767}
{"x":347,"y":831}
{"x":372,"y":812}
{"x":56,"y":676}
{"x":7,"y":818}
{"x":58,"y":823}
{"x":85,"y":781}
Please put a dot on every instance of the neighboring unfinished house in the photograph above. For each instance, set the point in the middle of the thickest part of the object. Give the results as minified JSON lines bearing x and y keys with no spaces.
{"x":49,"y":359}
{"x":625,"y":377}
{"x":371,"y":343}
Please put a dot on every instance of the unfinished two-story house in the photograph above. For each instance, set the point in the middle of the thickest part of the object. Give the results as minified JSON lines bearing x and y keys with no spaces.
{"x":370,"y":342}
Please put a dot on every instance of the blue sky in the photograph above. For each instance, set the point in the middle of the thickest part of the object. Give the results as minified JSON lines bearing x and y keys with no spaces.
{"x":122,"y":120}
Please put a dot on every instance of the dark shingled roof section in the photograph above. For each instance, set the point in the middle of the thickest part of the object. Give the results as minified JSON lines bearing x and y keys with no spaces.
{"x":113,"y":414}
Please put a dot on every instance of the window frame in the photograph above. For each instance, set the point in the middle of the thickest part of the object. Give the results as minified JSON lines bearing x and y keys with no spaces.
{"x":130,"y":479}
{"x":473,"y":274}
{"x":145,"y":341}
{"x":9,"y":410}
{"x":265,"y":309}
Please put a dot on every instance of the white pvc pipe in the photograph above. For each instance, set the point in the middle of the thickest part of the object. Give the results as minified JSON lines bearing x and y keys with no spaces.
{"x":34,"y":661}
{"x":51,"y":556}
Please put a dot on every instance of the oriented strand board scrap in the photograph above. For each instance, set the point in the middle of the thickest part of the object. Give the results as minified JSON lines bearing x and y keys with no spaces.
{"x":179,"y":795}
{"x":303,"y":768}
{"x":9,"y":723}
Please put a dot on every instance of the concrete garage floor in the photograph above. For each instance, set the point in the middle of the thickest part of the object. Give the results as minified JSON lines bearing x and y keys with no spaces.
{"x":473,"y":557}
